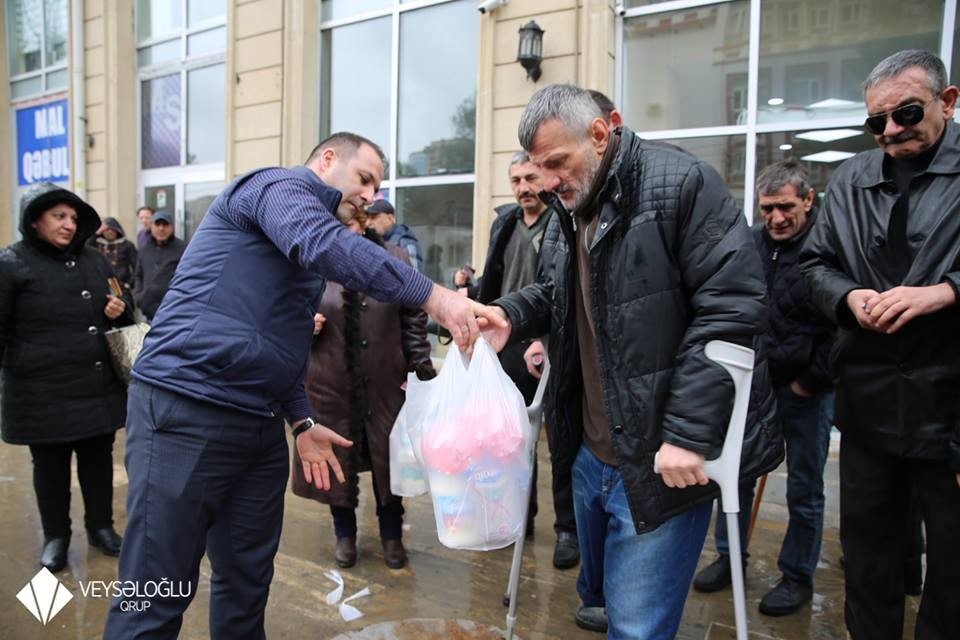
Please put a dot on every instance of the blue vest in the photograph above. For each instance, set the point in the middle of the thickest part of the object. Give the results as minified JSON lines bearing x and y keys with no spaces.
{"x":235,"y":327}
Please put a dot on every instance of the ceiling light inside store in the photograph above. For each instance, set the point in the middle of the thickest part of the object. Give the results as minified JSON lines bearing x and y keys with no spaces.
{"x":786,"y":147}
{"x":775,"y":102}
{"x":834,"y":103}
{"x":828,"y":156}
{"x":829,"y":135}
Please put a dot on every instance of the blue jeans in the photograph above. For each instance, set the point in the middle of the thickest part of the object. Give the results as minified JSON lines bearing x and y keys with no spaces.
{"x":806,"y":428}
{"x":644,"y":585}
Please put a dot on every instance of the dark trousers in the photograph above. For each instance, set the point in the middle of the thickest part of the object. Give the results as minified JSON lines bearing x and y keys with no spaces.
{"x":875,"y":497}
{"x":561,"y":483}
{"x":51,"y":483}
{"x":389,"y":516}
{"x":203,"y":478}
{"x":806,"y":428}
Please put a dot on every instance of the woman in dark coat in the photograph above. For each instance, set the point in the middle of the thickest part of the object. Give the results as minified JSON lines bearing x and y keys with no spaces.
{"x":60,"y":393}
{"x":111,"y":241}
{"x":358,"y":365}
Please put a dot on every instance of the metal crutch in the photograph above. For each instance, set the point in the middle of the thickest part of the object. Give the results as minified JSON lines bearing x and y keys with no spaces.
{"x":534,"y":412}
{"x":725,"y":470}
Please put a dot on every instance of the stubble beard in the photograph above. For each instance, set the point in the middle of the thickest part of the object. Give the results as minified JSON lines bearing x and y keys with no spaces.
{"x":590,"y":170}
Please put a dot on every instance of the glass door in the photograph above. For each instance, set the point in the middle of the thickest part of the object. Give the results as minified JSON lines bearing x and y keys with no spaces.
{"x":186,"y":195}
{"x":197,"y":198}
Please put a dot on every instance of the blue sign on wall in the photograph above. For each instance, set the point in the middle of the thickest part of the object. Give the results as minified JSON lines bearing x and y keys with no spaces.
{"x":43,"y":150}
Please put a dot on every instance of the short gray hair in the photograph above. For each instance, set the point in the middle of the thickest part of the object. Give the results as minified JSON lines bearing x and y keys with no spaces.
{"x":894,"y":65}
{"x":520,"y":157}
{"x":571,"y":105}
{"x":780,"y":174}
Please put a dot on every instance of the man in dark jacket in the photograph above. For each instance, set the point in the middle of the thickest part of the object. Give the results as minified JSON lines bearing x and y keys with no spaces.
{"x":883,"y":262}
{"x":382,"y":218}
{"x":797,"y":342}
{"x":145,"y":218}
{"x":111,"y":241}
{"x":516,"y":236}
{"x":156,"y":264}
{"x":650,"y":260}
{"x":222,"y":368}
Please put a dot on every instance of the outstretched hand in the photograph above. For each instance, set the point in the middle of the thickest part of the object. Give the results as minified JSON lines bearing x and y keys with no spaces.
{"x":315,"y":447}
{"x":463,"y":317}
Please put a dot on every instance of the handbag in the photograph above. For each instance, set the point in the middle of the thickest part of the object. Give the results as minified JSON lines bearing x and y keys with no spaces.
{"x":124,"y":345}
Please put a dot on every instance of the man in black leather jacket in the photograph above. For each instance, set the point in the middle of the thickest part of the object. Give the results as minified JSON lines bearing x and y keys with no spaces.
{"x":654,"y":261}
{"x":884,"y":263}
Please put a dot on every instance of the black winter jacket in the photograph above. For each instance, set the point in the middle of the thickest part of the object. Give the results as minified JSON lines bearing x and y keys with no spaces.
{"x":900,"y":392}
{"x":120,"y":253}
{"x":672,"y":266}
{"x":155,"y":268}
{"x":58,"y":385}
{"x":798,"y":337}
{"x":487,"y":289}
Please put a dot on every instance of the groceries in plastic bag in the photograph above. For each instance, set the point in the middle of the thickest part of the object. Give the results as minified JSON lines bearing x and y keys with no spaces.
{"x":407,"y":477}
{"x":476,"y":446}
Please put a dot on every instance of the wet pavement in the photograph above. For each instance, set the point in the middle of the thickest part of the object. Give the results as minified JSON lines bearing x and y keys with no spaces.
{"x":441,"y":593}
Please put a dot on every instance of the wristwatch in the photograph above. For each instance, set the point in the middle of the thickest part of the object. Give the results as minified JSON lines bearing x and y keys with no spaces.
{"x":303,"y":426}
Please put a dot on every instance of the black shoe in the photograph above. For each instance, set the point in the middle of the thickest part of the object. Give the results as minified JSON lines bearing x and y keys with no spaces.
{"x":566,"y":553}
{"x":528,"y":532}
{"x":54,"y":554}
{"x":105,"y":539}
{"x":394,"y":555}
{"x":714,"y":576}
{"x":785,"y":598}
{"x":345,"y":553}
{"x":591,"y":619}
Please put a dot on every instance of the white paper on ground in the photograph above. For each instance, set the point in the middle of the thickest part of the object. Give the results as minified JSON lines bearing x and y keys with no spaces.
{"x":350,"y":613}
{"x":334,"y":596}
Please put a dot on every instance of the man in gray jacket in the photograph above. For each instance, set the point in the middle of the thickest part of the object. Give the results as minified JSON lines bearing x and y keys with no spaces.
{"x":651,"y":259}
{"x":884,"y":263}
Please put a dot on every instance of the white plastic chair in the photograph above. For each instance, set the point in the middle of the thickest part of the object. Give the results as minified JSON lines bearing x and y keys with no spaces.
{"x":534,"y":413}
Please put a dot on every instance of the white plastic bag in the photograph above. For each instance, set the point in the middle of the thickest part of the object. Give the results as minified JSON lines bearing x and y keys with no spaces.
{"x":475,"y":444}
{"x":407,"y":477}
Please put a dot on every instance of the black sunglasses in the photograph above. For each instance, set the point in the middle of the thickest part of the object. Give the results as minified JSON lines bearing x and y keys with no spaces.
{"x":905,"y":116}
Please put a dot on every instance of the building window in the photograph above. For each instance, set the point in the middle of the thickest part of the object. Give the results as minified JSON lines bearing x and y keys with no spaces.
{"x":849,"y":13}
{"x":808,"y":74}
{"x":791,"y":20}
{"x":696,"y":50}
{"x":36,"y":47}
{"x":820,"y":17}
{"x":181,"y":47}
{"x":418,"y":103}
{"x":724,"y":153}
{"x":820,"y":150}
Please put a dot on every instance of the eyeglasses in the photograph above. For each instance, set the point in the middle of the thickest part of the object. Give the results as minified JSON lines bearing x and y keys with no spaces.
{"x":905,"y":116}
